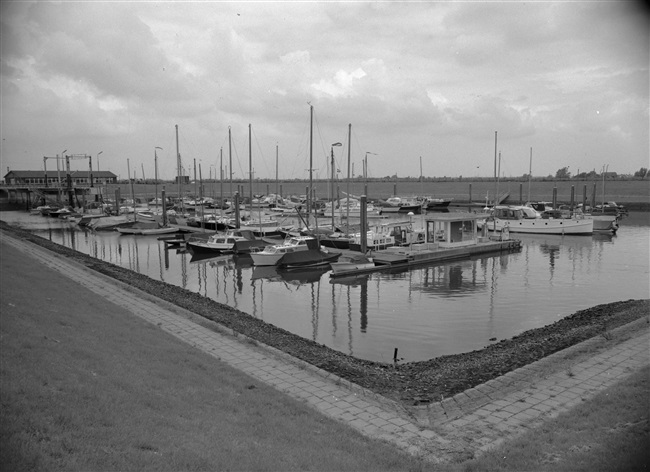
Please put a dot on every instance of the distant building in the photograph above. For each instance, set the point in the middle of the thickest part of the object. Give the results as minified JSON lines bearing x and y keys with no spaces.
{"x":78,"y":177}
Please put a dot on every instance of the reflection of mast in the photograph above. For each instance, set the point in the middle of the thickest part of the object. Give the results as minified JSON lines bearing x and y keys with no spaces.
{"x":493,"y":291}
{"x":184,"y":270}
{"x":314,"y":313}
{"x":364,"y":305}
{"x":350,"y":350}
{"x":334,"y":312}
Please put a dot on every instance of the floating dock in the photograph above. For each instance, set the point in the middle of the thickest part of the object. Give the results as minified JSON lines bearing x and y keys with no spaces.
{"x":448,"y":237}
{"x":420,"y":255}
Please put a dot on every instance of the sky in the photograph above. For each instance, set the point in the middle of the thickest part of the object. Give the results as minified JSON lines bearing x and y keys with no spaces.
{"x":421,"y":85}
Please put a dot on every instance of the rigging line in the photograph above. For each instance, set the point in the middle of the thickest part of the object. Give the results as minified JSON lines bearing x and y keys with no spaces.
{"x":242,"y":175}
{"x":322,"y":145}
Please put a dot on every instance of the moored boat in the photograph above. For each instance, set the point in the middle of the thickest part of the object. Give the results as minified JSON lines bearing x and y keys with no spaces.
{"x":230,"y":241}
{"x":523,"y":219}
{"x":352,"y":262}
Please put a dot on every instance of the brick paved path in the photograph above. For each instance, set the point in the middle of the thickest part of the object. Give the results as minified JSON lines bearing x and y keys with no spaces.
{"x":460,"y":426}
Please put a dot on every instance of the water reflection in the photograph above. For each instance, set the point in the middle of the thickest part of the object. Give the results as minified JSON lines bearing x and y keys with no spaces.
{"x":431,"y":311}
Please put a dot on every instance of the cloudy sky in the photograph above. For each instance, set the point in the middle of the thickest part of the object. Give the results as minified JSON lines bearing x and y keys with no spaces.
{"x":429,"y":80}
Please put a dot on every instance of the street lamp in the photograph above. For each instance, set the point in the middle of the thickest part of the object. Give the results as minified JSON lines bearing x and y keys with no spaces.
{"x":100,"y":152}
{"x":365,"y":165}
{"x":58,"y":169}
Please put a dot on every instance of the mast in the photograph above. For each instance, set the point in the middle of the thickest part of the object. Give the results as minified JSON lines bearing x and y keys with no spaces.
{"x":347,"y":207}
{"x":421,"y":184}
{"x":155,"y":172}
{"x":530,"y":172}
{"x":332,"y":186}
{"x":495,"y":170}
{"x":128,"y":169}
{"x":221,"y":182}
{"x":179,"y":171}
{"x":250,"y":171}
{"x":311,"y":145}
{"x":230,"y":160}
{"x":276,"y":169}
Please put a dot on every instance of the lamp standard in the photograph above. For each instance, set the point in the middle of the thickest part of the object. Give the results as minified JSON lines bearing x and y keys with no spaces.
{"x":332,"y":181}
{"x":91,"y":169}
{"x":58,"y":170}
{"x":365,"y":168}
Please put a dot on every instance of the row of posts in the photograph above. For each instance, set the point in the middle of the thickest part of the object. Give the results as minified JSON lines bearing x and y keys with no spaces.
{"x":572,"y":201}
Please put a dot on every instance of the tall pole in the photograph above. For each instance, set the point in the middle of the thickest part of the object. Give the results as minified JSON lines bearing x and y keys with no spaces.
{"x":250,"y":169}
{"x":276,"y":168}
{"x":178,"y":170}
{"x":196,"y":183}
{"x":155,"y":170}
{"x":100,"y":152}
{"x":230,"y":159}
{"x":347,"y":211}
{"x":495,"y":170}
{"x":45,"y":169}
{"x":128,"y":170}
{"x":365,"y":168}
{"x":332,"y":186}
{"x":221,"y":182}
{"x":604,"y":172}
{"x":496,"y":198}
{"x":311,"y":132}
{"x":90,"y":169}
{"x":530,"y":171}
{"x":332,"y":182}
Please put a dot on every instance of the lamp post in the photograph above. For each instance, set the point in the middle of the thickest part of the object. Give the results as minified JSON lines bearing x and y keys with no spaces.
{"x":58,"y":171}
{"x":91,"y":169}
{"x":365,"y":170}
{"x":332,"y":181}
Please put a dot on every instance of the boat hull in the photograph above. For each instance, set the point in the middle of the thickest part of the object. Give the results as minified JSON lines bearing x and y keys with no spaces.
{"x":572,"y":226}
{"x":606,"y":223}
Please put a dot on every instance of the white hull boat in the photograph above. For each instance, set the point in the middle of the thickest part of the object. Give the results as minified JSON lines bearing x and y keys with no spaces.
{"x":520,"y":219}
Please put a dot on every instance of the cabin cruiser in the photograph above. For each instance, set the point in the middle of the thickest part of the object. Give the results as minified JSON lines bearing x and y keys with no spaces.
{"x":524,"y":219}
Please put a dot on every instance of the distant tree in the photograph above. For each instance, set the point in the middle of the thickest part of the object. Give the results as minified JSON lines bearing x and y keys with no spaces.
{"x":563,"y":173}
{"x":642,"y":172}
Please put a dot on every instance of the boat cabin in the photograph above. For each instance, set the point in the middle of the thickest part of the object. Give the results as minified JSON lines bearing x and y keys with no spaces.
{"x":452,"y":229}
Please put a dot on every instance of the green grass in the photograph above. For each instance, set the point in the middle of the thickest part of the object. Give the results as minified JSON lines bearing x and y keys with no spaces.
{"x":609,"y":433}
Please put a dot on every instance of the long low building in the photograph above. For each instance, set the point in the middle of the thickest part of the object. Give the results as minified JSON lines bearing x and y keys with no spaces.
{"x":51,"y":179}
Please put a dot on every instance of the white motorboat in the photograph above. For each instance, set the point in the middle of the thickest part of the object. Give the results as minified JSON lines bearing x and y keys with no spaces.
{"x":523,"y":219}
{"x":272,"y":254}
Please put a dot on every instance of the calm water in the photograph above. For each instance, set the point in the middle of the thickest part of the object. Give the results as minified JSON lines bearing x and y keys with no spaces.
{"x":425,"y":313}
